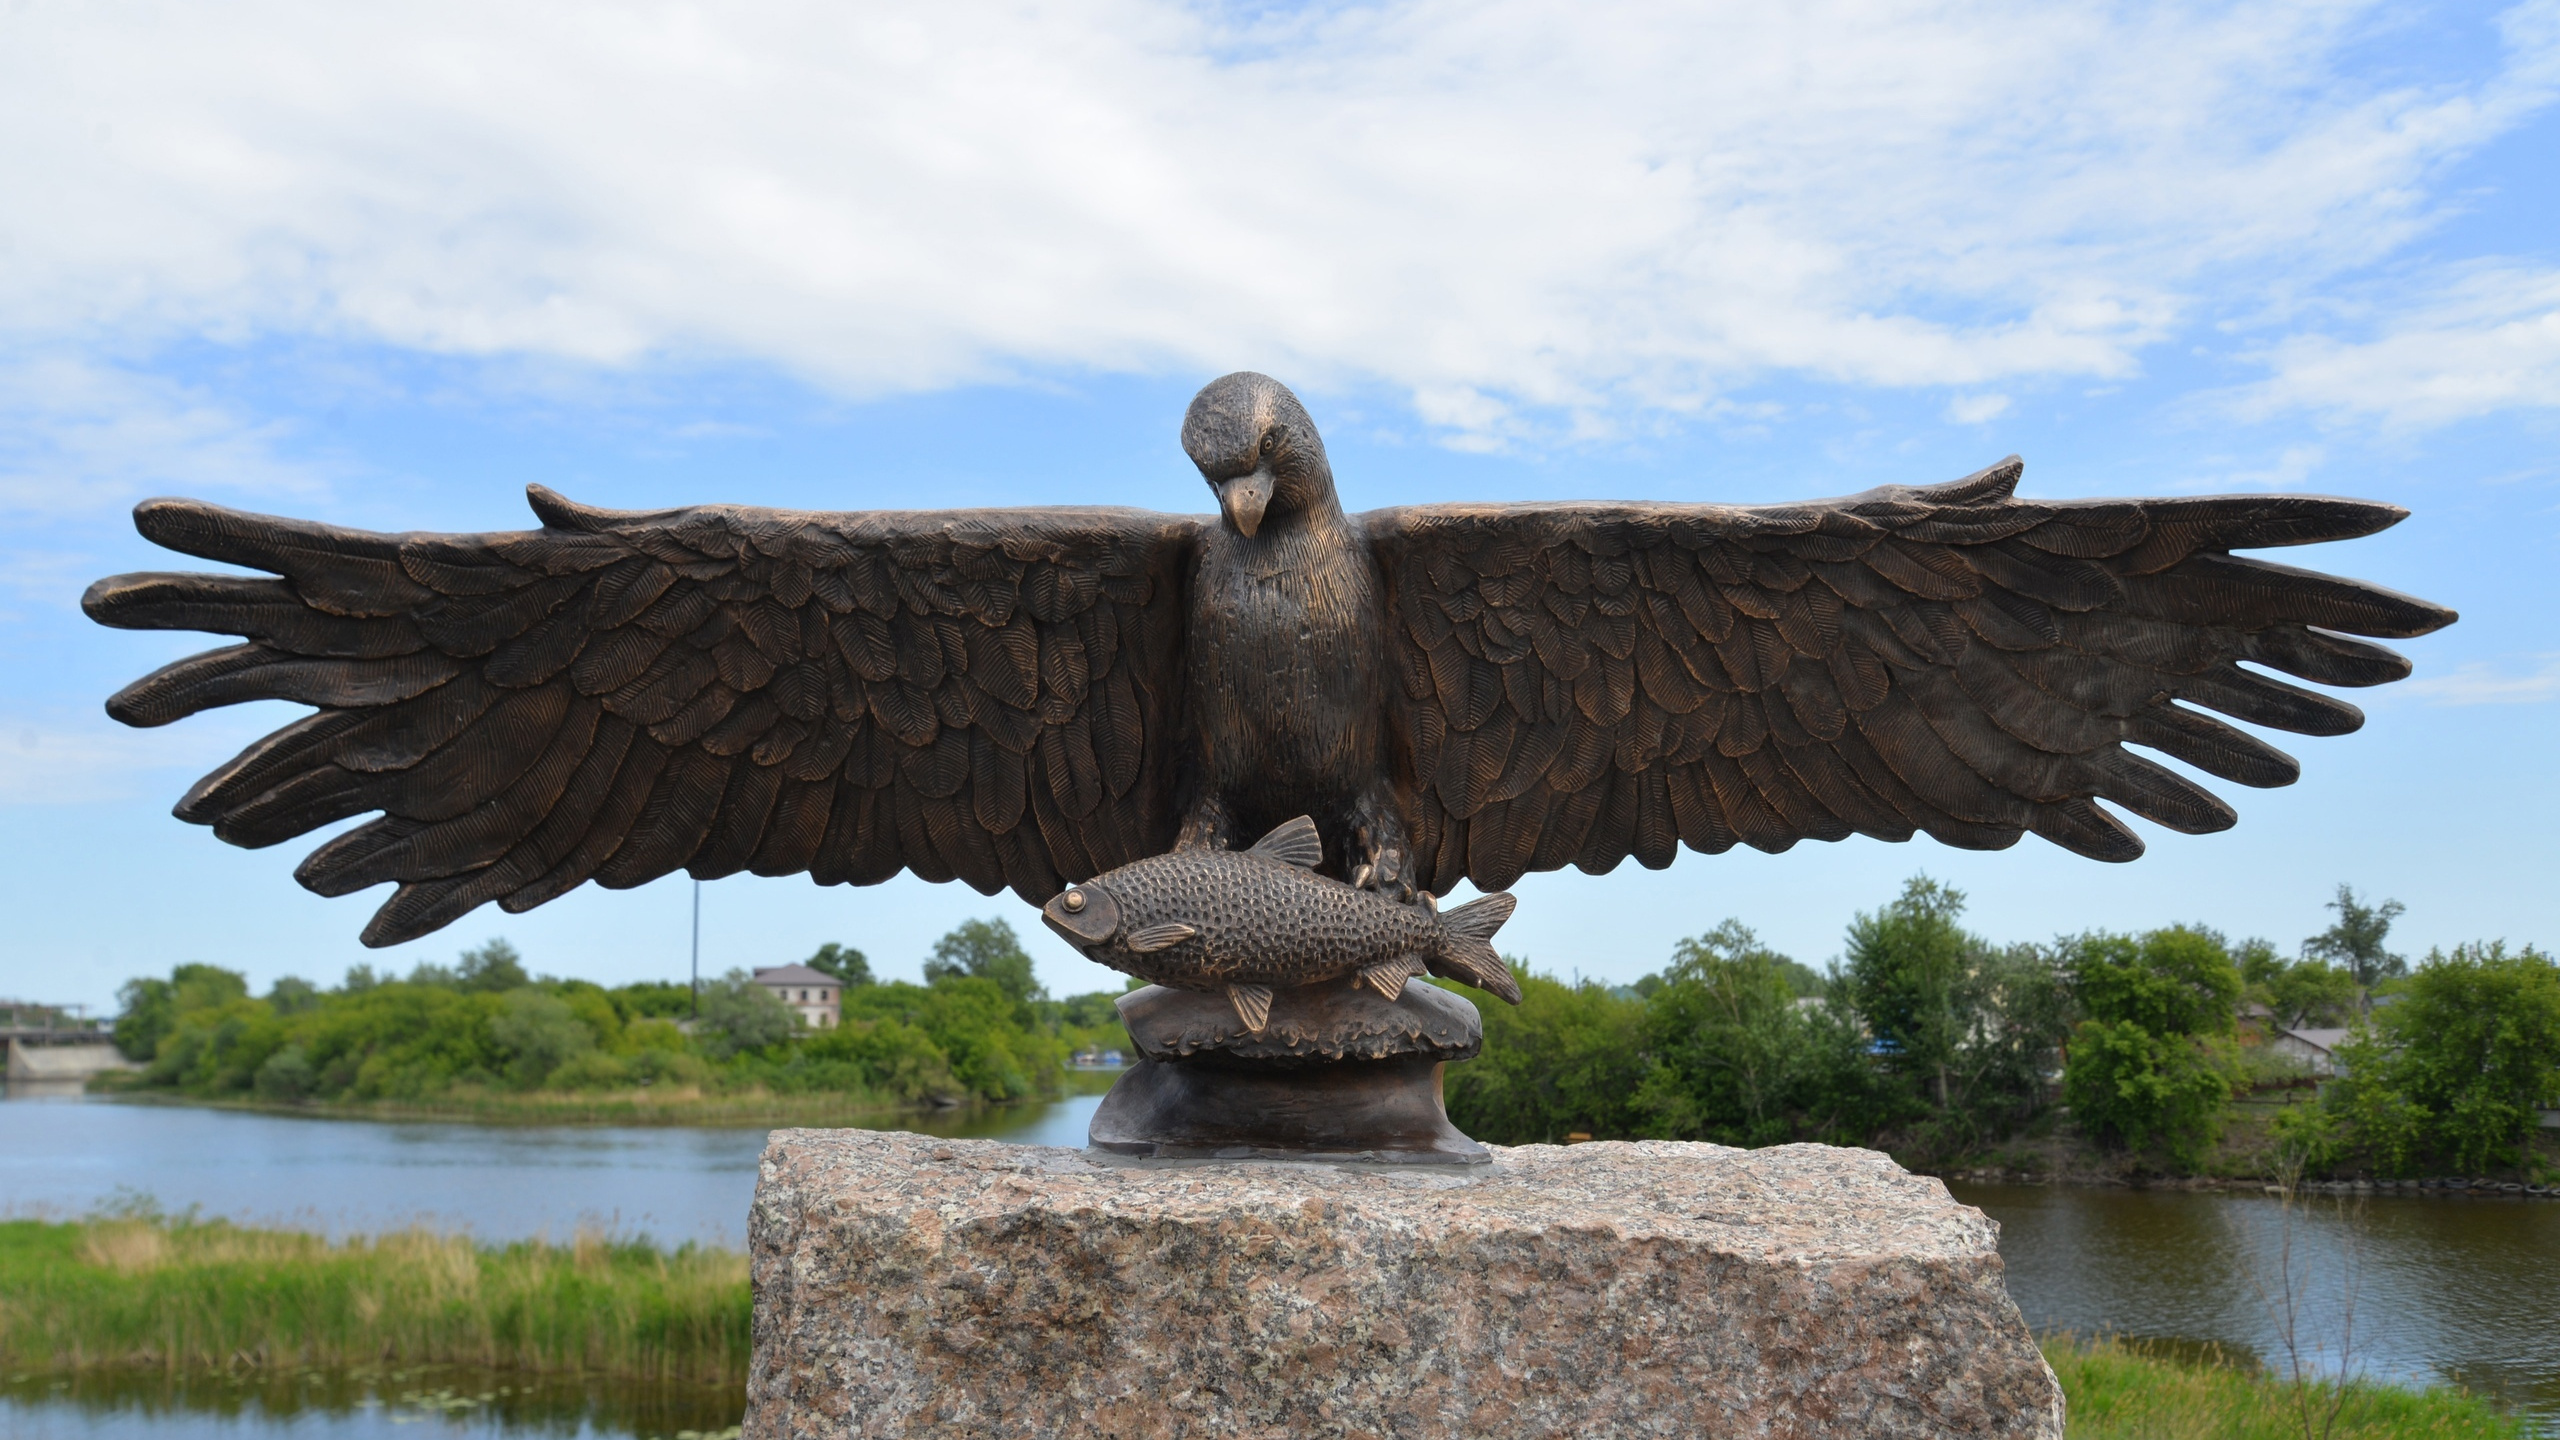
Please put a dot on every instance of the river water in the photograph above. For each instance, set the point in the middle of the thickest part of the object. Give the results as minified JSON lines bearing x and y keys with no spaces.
{"x":2417,"y":1289}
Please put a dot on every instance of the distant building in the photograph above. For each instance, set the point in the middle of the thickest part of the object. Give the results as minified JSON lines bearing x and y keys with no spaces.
{"x":2315,"y":1047}
{"x":815,"y":994}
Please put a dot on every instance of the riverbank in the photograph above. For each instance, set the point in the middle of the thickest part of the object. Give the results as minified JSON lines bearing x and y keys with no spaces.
{"x":291,"y":1319}
{"x":2117,"y":1391}
{"x":175,"y":1295}
{"x":652,"y":1105}
{"x":2054,"y":1151}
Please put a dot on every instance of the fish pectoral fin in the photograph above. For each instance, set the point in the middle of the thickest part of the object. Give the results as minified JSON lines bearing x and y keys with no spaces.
{"x":1157,"y":937}
{"x":1253,"y":1005}
{"x":1387,"y":977}
{"x":1294,"y":842}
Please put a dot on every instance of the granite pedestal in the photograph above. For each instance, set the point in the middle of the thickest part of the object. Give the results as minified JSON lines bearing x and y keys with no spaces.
{"x":914,"y":1287}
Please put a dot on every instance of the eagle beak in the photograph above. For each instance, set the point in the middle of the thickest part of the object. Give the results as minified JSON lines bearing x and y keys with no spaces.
{"x":1244,"y":498}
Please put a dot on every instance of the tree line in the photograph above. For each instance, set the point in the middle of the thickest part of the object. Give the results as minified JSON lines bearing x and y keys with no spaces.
{"x":1935,"y":1043}
{"x":981,"y":1027}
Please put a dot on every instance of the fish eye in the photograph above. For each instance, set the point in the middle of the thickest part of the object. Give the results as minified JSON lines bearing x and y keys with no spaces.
{"x":1074,"y":901}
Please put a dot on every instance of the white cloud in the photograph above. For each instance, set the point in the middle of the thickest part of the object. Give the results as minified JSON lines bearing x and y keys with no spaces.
{"x":2488,"y":341}
{"x":2292,"y":468}
{"x":2478,"y":683}
{"x":1977,"y":409}
{"x":78,"y":437}
{"x":1496,"y":206}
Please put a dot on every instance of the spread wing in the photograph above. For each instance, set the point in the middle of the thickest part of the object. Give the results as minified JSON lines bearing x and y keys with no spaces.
{"x":1585,"y":682}
{"x":980,"y":695}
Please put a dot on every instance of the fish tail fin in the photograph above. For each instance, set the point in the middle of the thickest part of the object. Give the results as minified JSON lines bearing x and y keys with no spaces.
{"x":1466,"y":948}
{"x":1387,"y":977}
{"x":1253,"y":1005}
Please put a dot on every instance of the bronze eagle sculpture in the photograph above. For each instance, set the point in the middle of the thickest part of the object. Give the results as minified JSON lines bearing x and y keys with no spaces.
{"x":1020,"y":698}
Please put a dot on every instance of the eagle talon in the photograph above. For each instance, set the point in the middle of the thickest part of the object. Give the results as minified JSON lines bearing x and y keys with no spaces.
{"x":1384,"y":872}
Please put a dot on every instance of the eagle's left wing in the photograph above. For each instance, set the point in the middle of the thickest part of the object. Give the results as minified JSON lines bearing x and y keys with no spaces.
{"x":1585,"y":682}
{"x":981,"y":695}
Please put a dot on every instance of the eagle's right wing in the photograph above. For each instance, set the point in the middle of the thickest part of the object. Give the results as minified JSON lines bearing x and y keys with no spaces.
{"x":982,"y":695}
{"x":1586,"y":682}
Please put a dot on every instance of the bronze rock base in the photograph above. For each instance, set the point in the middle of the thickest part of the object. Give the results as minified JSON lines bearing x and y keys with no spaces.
{"x":1338,"y":1073}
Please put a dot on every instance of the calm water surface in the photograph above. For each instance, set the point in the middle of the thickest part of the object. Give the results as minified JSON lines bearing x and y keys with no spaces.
{"x":66,"y":1155}
{"x":2419,"y":1289}
{"x":2414,"y":1288}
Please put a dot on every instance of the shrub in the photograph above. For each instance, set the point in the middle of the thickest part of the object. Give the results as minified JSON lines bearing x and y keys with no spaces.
{"x":537,"y":1033}
{"x":287,"y":1076}
{"x":592,"y":1070}
{"x":2453,"y":1070}
{"x":739,"y":1014}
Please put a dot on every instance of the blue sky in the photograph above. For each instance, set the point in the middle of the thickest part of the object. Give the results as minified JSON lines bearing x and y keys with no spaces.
{"x":386,"y":266}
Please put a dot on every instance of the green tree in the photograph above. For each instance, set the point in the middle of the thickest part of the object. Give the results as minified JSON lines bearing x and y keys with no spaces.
{"x":1906,"y":967}
{"x":844,"y":962}
{"x":1094,"y":1010}
{"x":1742,"y":1055}
{"x":653,"y":999}
{"x":987,"y":950}
{"x":1968,"y":1030}
{"x":149,"y":1008}
{"x":2131,"y":1088}
{"x":292,"y":995}
{"x":739,"y":1014}
{"x":2310,"y":992}
{"x":491,"y":969}
{"x":1567,"y":1059}
{"x":2143,"y":1068}
{"x":2175,"y":981}
{"x":2355,"y":942}
{"x":2295,"y":992}
{"x":2454,"y":1069}
{"x":993,"y":1052}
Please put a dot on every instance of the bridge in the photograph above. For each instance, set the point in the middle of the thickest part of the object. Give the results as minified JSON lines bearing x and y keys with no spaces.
{"x":56,"y":1043}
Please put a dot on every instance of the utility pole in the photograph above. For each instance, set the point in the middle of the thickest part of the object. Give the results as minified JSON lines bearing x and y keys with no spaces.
{"x":697,"y":949}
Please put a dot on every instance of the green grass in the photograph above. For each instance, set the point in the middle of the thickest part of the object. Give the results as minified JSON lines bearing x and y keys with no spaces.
{"x":179,"y":1294}
{"x":2117,"y":1392}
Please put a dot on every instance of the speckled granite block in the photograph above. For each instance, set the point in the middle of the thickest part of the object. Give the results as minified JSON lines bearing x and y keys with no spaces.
{"x":907,"y":1286}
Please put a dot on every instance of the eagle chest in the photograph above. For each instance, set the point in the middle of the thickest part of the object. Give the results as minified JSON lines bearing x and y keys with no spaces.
{"x":1284,"y":649}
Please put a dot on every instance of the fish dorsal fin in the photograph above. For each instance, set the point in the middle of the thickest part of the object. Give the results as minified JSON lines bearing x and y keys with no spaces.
{"x":1295,"y":842}
{"x":1253,"y":1005}
{"x":1157,"y":937}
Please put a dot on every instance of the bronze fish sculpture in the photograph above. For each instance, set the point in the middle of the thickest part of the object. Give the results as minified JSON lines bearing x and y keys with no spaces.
{"x":1251,"y":921}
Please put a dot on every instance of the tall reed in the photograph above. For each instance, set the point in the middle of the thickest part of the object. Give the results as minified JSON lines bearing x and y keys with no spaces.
{"x":181,"y":1294}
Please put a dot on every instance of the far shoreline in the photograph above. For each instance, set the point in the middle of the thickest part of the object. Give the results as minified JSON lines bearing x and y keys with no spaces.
{"x":675,"y":1107}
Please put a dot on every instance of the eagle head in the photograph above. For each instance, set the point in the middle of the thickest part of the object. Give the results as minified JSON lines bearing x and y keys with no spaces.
{"x":1257,"y":449}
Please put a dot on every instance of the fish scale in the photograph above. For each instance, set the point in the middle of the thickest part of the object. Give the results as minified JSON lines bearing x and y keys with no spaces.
{"x":1252,"y":921}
